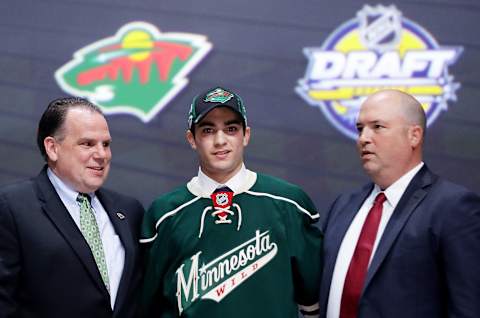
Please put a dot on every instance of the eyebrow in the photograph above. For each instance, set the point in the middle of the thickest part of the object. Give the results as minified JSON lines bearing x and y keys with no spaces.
{"x":228,"y":122}
{"x":233,"y":122}
{"x":205,"y":123}
{"x":88,"y":139}
{"x":376,"y":121}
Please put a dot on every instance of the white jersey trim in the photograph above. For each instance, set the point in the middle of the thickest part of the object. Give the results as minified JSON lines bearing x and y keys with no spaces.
{"x":194,"y":187}
{"x":276,"y":197}
{"x":166,"y":215}
{"x":313,"y":307}
{"x":310,"y":311}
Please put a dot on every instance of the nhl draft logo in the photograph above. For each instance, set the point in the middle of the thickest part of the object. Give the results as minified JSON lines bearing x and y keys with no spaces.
{"x":379,"y":49}
{"x":137,"y":71}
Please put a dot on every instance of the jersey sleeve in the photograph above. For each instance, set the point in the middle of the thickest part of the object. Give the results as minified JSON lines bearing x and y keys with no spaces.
{"x":305,"y":244}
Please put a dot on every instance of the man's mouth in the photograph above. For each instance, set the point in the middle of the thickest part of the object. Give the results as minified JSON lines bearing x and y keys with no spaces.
{"x":97,"y":170}
{"x":222,"y":153}
{"x":366,"y":153}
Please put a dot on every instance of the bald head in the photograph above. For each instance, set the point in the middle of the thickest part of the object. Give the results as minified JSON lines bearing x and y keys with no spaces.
{"x":403,"y":104}
{"x":391,"y":125}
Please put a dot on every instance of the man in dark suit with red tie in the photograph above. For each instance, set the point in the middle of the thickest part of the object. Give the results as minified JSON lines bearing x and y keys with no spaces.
{"x":69,"y":248}
{"x":408,"y":244}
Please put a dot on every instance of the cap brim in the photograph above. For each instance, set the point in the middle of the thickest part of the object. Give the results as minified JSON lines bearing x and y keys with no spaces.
{"x":211,"y":107}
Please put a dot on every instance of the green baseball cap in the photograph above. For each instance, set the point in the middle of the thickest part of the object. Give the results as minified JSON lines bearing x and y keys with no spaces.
{"x":212,"y":98}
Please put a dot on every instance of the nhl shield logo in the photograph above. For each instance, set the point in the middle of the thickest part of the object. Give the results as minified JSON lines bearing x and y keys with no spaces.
{"x":137,"y":71}
{"x":221,"y":199}
{"x":380,"y":27}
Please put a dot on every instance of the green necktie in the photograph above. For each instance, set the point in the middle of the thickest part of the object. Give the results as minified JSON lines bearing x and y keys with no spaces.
{"x":89,"y":228}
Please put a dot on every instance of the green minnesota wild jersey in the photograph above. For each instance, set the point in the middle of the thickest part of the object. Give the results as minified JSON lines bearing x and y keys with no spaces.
{"x":252,"y":254}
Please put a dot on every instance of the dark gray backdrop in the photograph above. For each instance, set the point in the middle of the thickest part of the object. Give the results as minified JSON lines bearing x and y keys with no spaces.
{"x":257,"y":52}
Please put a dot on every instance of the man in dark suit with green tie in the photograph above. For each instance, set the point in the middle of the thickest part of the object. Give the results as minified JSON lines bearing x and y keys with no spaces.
{"x":69,"y":248}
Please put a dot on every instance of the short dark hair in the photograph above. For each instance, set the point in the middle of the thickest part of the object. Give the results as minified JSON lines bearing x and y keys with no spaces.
{"x":54,"y":116}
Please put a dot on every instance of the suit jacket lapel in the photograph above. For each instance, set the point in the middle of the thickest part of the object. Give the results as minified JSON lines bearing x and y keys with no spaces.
{"x":413,"y":195}
{"x":337,"y":227}
{"x":122,"y":228}
{"x":58,"y":214}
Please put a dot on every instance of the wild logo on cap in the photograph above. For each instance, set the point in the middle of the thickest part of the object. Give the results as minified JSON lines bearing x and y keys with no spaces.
{"x":137,"y":71}
{"x":378,"y":49}
{"x":218,"y":95}
{"x":212,"y":98}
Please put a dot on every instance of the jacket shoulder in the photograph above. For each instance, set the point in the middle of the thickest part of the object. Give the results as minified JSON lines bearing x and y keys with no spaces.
{"x":18,"y":190}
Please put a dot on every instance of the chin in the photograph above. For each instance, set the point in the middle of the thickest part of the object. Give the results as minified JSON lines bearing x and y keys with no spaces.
{"x":370,"y":169}
{"x":222,"y":166}
{"x":94,"y":186}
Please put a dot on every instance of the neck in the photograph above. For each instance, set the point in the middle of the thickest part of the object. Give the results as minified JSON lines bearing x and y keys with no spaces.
{"x":384,"y":180}
{"x":221,"y":177}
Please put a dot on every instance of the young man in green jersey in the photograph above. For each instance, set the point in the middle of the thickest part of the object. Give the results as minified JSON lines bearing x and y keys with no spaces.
{"x":231,"y":242}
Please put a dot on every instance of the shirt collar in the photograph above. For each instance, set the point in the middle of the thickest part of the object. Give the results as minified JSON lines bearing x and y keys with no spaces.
{"x":395,"y":191}
{"x":64,"y":190}
{"x":209,"y":185}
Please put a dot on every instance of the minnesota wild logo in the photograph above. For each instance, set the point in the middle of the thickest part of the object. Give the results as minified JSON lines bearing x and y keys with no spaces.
{"x":137,"y":71}
{"x":218,"y":96}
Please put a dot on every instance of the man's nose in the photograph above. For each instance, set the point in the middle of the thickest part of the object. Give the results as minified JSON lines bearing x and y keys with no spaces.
{"x":364,"y":136}
{"x":100,"y":151}
{"x":220,"y":138}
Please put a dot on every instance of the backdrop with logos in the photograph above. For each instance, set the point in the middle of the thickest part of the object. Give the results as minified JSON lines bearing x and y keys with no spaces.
{"x":302,"y":69}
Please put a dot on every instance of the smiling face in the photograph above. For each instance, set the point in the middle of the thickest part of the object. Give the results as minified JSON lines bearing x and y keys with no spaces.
{"x":389,"y":141}
{"x":80,"y":153}
{"x":219,"y":141}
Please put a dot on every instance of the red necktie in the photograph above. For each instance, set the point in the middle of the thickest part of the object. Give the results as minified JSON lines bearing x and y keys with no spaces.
{"x":357,"y":271}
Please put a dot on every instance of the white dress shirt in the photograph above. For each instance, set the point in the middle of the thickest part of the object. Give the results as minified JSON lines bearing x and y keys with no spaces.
{"x":112,"y":245}
{"x":393,"y":193}
{"x":209,"y":185}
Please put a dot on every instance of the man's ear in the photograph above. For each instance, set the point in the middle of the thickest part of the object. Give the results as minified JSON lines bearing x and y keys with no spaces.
{"x":415,"y":135}
{"x":51,"y":148}
{"x":191,"y":139}
{"x":246,"y":136}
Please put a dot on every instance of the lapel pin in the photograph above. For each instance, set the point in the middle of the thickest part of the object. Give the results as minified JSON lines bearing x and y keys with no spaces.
{"x":120,"y":215}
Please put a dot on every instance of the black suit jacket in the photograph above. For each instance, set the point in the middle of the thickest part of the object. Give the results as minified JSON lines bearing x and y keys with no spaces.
{"x":46,"y":266}
{"x":427,"y":262}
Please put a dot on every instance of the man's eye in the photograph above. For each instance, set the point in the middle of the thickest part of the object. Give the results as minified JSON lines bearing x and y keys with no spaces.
{"x":359,"y":129}
{"x":86,"y":144}
{"x":232,"y":129}
{"x":377,"y":126}
{"x":207,"y":130}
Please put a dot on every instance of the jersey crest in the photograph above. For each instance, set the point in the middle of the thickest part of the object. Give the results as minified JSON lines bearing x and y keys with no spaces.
{"x":216,"y":279}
